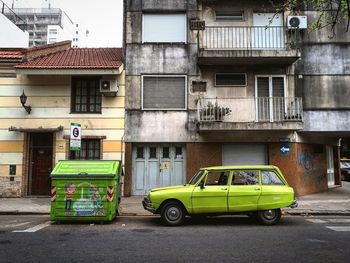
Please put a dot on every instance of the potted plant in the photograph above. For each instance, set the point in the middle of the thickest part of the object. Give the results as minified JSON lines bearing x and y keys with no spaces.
{"x":214,"y":112}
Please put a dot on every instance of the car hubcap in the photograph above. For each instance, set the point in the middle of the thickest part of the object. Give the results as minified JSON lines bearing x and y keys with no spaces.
{"x":270,"y":214}
{"x":173,"y":213}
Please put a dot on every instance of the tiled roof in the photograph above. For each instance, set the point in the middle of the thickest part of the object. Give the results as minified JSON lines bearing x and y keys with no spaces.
{"x":11,"y":54}
{"x":78,"y":58}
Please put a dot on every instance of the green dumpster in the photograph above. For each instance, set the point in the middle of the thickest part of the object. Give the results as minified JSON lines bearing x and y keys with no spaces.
{"x":85,"y":190}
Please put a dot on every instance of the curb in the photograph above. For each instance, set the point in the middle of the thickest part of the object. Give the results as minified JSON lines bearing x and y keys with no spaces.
{"x":317,"y":213}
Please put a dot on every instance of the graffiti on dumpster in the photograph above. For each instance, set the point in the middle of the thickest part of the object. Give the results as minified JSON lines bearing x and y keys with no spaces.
{"x":89,"y":205}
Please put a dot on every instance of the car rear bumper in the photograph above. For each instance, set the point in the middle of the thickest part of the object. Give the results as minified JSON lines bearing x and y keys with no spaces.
{"x":147,"y":205}
{"x":294,"y":204}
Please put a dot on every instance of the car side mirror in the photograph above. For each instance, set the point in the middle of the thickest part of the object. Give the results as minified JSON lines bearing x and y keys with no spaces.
{"x":201,"y":184}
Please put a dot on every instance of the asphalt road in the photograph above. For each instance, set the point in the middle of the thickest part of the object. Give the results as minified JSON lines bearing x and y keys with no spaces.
{"x":144,"y":239}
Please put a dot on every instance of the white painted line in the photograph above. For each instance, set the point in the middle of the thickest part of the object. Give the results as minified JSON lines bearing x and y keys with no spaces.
{"x":34,"y":228}
{"x":17,"y":225}
{"x":339,"y":228}
{"x":339,"y":220}
{"x":317,"y":221}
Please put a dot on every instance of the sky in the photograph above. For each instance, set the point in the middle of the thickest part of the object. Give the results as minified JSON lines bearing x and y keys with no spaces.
{"x":103,"y":18}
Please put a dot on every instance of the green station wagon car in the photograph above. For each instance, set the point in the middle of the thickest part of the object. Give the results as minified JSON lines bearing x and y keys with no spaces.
{"x":258,"y":191}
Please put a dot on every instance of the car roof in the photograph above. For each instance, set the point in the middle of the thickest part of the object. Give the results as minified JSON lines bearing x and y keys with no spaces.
{"x":230,"y":167}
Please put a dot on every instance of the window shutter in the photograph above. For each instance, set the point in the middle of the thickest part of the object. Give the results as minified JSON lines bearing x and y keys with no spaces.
{"x":164,"y":92}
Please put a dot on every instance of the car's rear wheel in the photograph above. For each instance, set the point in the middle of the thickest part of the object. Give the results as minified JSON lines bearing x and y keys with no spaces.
{"x":173,"y":214}
{"x":269,"y":217}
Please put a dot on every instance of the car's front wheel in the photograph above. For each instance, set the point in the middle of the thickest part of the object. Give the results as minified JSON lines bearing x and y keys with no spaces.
{"x":173,"y":214}
{"x":269,"y":217}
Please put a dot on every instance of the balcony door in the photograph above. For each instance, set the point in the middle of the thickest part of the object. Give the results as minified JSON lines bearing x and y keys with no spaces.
{"x":268,"y":32}
{"x":270,"y":94}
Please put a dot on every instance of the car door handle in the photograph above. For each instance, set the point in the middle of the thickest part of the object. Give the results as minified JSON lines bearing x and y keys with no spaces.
{"x":223,"y":188}
{"x":257,"y":189}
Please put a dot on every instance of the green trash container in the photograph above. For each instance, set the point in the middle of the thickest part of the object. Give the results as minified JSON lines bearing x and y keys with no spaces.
{"x":85,"y":190}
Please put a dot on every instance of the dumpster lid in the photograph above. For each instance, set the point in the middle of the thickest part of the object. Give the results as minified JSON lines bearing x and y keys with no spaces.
{"x":91,"y":168}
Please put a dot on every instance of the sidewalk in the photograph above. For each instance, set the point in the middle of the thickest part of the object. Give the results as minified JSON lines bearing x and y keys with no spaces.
{"x":335,"y":201}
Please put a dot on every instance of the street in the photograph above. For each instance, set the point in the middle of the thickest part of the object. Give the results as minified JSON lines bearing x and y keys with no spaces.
{"x":32,"y":238}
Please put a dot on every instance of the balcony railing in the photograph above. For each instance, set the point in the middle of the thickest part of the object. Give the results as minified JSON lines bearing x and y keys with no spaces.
{"x":243,"y":38}
{"x":262,"y":109}
{"x":12,"y":16}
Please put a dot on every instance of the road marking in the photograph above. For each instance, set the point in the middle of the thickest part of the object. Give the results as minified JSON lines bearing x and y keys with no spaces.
{"x":317,"y":221}
{"x":17,"y":225}
{"x":339,"y":220}
{"x":34,"y":228}
{"x":339,"y":228}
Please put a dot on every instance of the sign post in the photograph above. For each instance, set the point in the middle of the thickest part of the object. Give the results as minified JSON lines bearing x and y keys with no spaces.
{"x":75,"y":137}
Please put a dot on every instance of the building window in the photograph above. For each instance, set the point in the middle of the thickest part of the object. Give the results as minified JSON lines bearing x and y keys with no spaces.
{"x":230,"y":79}
{"x":53,"y":31}
{"x":52,"y":40}
{"x":164,"y":28}
{"x":229,"y":16}
{"x":164,"y":92}
{"x":86,"y":96}
{"x":90,"y":150}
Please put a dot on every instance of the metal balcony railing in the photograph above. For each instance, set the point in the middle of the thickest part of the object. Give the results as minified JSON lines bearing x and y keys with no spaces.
{"x":243,"y":38}
{"x":262,"y":109}
{"x":13,"y":17}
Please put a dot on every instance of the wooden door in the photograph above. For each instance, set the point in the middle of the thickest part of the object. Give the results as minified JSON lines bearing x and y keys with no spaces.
{"x":41,"y":163}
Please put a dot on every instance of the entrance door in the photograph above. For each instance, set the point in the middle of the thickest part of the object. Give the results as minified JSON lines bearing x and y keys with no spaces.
{"x":268,"y":32}
{"x":157,"y":166}
{"x":330,"y":165}
{"x":270,"y":98}
{"x":41,"y":146}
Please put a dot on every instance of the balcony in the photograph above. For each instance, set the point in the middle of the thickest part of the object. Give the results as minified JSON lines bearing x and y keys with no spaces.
{"x":220,"y":45}
{"x":262,"y":113}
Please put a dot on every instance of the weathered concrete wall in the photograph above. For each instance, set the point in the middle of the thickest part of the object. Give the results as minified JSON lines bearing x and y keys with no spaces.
{"x":322,"y":120}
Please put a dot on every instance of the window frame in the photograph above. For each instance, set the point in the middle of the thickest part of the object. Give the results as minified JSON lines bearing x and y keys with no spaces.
{"x":71,"y":153}
{"x":162,"y":109}
{"x":245,"y":170}
{"x":73,"y":95}
{"x":230,"y":20}
{"x":284,"y":182}
{"x":164,"y":14}
{"x":227,"y":73}
{"x":217,"y":171}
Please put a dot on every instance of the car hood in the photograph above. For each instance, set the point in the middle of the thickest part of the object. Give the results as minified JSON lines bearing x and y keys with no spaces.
{"x":171,"y":188}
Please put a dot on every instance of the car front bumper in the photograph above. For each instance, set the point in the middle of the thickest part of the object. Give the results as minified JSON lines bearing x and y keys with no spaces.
{"x":147,"y":205}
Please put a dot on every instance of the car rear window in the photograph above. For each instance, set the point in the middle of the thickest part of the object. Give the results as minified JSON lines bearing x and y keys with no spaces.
{"x":245,"y":177}
{"x":270,"y":178}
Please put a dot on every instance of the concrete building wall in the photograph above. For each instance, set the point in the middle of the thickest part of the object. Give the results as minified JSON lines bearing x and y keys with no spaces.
{"x":50,"y":99}
{"x":15,"y":37}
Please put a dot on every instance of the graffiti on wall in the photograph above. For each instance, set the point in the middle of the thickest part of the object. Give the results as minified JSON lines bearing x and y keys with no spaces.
{"x":306,"y":160}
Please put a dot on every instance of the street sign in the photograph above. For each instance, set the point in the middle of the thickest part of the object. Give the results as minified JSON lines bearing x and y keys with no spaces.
{"x":75,"y":137}
{"x":285,"y":149}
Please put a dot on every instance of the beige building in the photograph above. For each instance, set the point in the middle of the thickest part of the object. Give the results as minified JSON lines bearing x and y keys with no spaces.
{"x":62,"y":85}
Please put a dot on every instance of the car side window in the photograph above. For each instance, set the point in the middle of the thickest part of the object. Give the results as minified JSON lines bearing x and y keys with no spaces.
{"x":270,"y":178}
{"x":217,"y":178}
{"x":245,"y":178}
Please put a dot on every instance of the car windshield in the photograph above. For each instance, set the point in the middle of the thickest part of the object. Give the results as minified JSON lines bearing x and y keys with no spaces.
{"x":344,"y":164}
{"x":196,"y":177}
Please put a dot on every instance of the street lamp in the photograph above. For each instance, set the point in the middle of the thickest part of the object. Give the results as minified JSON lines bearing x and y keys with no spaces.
{"x":23,"y":99}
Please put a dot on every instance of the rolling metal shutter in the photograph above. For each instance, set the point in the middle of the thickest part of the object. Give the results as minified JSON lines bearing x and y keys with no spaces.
{"x":241,"y":154}
{"x":164,"y":92}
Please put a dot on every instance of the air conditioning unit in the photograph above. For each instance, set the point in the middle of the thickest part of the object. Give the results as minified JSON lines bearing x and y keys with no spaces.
{"x":109,"y":87}
{"x":294,"y":22}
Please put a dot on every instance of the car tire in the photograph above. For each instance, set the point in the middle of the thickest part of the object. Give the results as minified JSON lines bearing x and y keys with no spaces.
{"x":269,"y":217}
{"x":173,"y":214}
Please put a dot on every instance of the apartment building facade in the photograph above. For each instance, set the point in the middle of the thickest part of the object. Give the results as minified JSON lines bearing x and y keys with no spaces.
{"x":222,"y":83}
{"x":42,"y":91}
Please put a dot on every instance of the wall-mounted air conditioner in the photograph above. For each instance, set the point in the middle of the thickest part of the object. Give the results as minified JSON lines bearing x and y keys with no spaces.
{"x":109,"y":87}
{"x":294,"y":22}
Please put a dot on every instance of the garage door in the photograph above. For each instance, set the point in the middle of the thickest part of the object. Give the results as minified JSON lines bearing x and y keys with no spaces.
{"x":241,"y":154}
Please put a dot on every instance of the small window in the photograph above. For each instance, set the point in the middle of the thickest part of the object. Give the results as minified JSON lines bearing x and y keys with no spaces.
{"x":158,"y":28}
{"x":166,"y":153}
{"x":270,"y":178}
{"x":217,"y":178}
{"x":86,"y":96}
{"x":229,"y":15}
{"x":153,"y":153}
{"x":230,"y":79}
{"x":90,"y":150}
{"x":245,"y":178}
{"x":139,"y":153}
{"x":53,"y":31}
{"x":178,"y":153}
{"x":164,"y":92}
